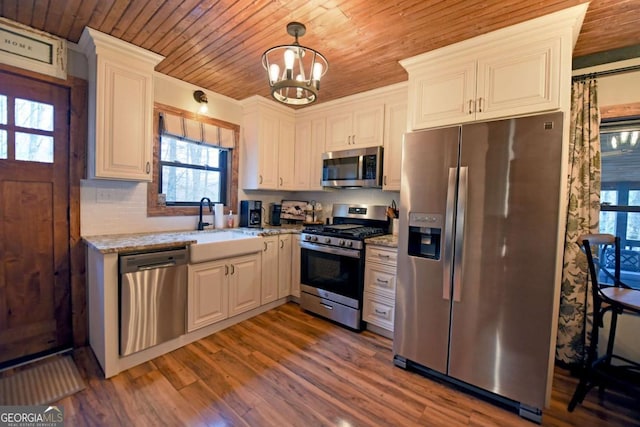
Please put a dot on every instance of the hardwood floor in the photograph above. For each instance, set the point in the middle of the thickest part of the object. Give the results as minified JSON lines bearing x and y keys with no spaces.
{"x":286,"y":367}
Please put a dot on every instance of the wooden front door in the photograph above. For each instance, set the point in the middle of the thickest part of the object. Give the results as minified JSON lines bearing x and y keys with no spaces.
{"x":35,"y":291}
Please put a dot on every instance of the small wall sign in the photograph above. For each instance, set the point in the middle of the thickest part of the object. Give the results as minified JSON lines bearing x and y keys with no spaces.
{"x":34,"y":50}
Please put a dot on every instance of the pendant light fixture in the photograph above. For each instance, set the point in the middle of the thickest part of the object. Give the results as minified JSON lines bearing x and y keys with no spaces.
{"x":294,"y":71}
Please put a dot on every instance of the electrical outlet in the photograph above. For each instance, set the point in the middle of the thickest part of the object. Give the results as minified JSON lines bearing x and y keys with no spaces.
{"x":104,"y":195}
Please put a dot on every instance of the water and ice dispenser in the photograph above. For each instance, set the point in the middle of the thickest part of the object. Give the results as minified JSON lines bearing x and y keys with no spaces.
{"x":425,"y":235}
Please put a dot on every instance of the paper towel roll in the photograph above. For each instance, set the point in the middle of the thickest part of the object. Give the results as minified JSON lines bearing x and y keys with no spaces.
{"x":218,"y":210}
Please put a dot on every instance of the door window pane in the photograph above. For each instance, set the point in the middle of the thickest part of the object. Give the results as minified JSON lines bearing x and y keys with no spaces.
{"x":3,"y":144}
{"x":34,"y":115}
{"x":3,"y":110}
{"x":34,"y":148}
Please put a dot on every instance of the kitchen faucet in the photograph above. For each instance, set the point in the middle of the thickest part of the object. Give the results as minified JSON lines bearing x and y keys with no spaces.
{"x":201,"y":224}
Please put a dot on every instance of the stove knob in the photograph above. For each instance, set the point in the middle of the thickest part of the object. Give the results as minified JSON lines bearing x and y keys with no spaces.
{"x":314,"y":239}
{"x":307,"y":238}
{"x":350,"y":244}
{"x":327,"y":239}
{"x":341,"y":243}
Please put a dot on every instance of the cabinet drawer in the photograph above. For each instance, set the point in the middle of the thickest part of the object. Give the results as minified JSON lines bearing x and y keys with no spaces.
{"x":378,"y":310}
{"x":380,"y":279}
{"x":383,"y":255}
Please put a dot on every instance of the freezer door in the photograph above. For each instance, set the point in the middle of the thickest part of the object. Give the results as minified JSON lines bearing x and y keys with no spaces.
{"x":423,"y":290}
{"x":504,"y":275}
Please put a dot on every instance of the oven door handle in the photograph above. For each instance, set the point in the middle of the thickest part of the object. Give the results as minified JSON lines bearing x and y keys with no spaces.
{"x":351,"y":253}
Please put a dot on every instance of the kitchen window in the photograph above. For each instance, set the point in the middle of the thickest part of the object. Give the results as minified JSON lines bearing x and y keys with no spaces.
{"x":620,"y":192}
{"x":194,"y":157}
{"x":190,"y":171}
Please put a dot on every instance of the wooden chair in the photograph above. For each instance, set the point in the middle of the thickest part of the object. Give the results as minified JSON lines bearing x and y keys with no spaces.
{"x":614,"y":297}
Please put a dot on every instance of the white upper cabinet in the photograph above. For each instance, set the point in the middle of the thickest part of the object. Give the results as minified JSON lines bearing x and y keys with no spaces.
{"x":355,"y":125}
{"x":514,"y":71}
{"x":395,"y":125}
{"x":267,"y":145}
{"x":120,"y":138}
{"x":310,"y":139}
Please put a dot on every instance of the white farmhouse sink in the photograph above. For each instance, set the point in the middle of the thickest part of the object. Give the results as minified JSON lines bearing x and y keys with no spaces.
{"x":223,"y":244}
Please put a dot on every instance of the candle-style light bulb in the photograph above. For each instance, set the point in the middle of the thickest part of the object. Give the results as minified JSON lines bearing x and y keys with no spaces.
{"x":274,"y":72}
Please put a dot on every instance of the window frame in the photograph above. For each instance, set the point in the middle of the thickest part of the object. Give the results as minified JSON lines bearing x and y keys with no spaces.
{"x":154,"y":206}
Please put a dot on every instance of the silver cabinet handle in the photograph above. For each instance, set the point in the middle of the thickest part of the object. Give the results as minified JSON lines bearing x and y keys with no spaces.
{"x":226,"y":270}
{"x":480,"y":105}
{"x":381,"y":281}
{"x":148,"y":168}
{"x":233,"y":269}
{"x":384,"y":313}
{"x":470,"y":108}
{"x":384,"y":256}
{"x":281,"y":244}
{"x":353,"y":140}
{"x":260,"y":176}
{"x":280,"y":180}
{"x":265,"y":246}
{"x":385,"y":180}
{"x":349,"y":140}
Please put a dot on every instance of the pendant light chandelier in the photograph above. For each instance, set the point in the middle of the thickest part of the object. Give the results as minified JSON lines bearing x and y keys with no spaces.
{"x":294,"y":71}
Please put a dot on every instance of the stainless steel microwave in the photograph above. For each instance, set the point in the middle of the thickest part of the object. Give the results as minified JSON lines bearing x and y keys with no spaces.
{"x":357,"y":168}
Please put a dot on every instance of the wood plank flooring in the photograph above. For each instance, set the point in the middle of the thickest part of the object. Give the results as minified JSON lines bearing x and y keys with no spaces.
{"x":288,"y":368}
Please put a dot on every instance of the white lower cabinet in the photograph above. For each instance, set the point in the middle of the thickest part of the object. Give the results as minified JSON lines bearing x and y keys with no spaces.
{"x":284,"y":265}
{"x":276,"y":267}
{"x":380,"y":287}
{"x":221,"y":289}
{"x":295,"y":266}
{"x":269,"y":269}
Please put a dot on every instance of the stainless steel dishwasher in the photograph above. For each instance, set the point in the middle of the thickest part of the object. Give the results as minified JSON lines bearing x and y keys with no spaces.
{"x":153,"y":298}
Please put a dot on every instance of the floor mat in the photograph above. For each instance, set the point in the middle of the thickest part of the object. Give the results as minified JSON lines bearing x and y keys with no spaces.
{"x":41,"y":384}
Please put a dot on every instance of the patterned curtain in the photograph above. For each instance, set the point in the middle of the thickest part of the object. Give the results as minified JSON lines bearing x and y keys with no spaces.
{"x":583,"y":214}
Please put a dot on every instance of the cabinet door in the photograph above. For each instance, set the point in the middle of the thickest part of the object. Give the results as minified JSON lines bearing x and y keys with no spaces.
{"x":269,"y":274}
{"x":295,"y":266}
{"x":284,"y":265}
{"x":368,"y":124}
{"x":339,"y":130}
{"x":123,"y":124}
{"x":244,"y":283}
{"x":286,"y":154}
{"x":268,"y":134}
{"x":207,"y":295}
{"x":395,"y":125}
{"x":443,"y":94}
{"x":302,"y":154}
{"x":519,"y":81}
{"x":318,"y":137}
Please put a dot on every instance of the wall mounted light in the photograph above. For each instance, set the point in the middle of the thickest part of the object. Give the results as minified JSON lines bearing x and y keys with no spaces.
{"x":201,"y":98}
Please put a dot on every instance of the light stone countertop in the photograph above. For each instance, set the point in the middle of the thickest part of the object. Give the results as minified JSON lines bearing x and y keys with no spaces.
{"x":116,"y":243}
{"x":388,"y":240}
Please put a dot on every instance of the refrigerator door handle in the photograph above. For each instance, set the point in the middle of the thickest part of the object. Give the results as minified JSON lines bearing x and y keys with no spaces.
{"x":448,"y":234}
{"x":459,"y":246}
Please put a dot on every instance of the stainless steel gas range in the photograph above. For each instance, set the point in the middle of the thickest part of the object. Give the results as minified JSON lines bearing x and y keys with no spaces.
{"x":332,"y":262}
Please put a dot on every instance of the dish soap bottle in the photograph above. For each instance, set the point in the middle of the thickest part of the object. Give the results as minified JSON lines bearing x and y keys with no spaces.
{"x":230,"y":220}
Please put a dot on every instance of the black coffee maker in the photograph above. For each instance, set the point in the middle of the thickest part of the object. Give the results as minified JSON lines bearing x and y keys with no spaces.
{"x":251,"y":213}
{"x":275,"y":209}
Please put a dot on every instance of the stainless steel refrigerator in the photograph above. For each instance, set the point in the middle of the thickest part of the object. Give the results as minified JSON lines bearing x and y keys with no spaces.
{"x":477,"y":256}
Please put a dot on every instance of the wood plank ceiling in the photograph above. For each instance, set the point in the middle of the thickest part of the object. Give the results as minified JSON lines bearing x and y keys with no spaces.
{"x":217,"y":44}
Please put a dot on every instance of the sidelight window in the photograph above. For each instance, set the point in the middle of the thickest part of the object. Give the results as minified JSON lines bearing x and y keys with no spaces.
{"x":620,"y":193}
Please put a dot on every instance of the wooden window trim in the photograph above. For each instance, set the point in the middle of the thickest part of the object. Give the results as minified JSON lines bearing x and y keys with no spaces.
{"x":620,"y":111}
{"x":153,"y":207}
